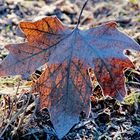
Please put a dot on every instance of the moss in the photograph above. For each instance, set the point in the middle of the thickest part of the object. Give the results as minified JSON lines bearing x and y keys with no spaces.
{"x":8,"y":28}
{"x":130,"y":99}
{"x":133,"y":1}
{"x":9,"y":81}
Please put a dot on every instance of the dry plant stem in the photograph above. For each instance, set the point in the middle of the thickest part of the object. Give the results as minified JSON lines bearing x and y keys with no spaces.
{"x":14,"y":100}
{"x":136,"y":104}
{"x":9,"y":107}
{"x":33,"y":114}
{"x":23,"y":114}
{"x":135,"y":72}
{"x":31,"y":133}
{"x":20,"y":8}
{"x":29,"y":108}
{"x":134,"y":84}
{"x":4,"y":107}
{"x":13,"y":118}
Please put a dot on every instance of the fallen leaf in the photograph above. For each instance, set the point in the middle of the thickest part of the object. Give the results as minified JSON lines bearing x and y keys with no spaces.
{"x":64,"y":86}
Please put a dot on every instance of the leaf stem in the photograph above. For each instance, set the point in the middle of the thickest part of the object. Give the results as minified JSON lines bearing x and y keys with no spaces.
{"x":79,"y":19}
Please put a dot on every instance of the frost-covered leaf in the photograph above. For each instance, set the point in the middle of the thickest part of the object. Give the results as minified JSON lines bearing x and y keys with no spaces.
{"x":64,"y":86}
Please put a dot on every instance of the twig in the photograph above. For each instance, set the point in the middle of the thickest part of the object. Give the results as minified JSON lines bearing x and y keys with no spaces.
{"x":33,"y":114}
{"x":79,"y":19}
{"x":15,"y":98}
{"x":23,"y":115}
{"x":14,"y":117}
{"x":133,"y":84}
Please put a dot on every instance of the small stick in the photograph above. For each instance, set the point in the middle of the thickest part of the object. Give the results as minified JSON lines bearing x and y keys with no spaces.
{"x":23,"y":114}
{"x":13,"y":118}
{"x":33,"y":114}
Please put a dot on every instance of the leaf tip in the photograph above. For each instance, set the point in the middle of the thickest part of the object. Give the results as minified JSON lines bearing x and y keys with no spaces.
{"x":7,"y":47}
{"x":19,"y":32}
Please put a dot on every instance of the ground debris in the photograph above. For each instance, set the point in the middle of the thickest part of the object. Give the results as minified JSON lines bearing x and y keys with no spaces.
{"x":21,"y":119}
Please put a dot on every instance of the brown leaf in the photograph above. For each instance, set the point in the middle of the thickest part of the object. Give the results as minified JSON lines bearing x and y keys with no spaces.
{"x":64,"y":86}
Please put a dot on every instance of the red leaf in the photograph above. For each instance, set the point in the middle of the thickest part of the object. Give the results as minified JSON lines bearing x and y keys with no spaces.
{"x":64,"y":86}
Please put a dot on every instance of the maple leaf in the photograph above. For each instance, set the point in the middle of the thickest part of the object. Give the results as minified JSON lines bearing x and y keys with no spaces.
{"x":64,"y":85}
